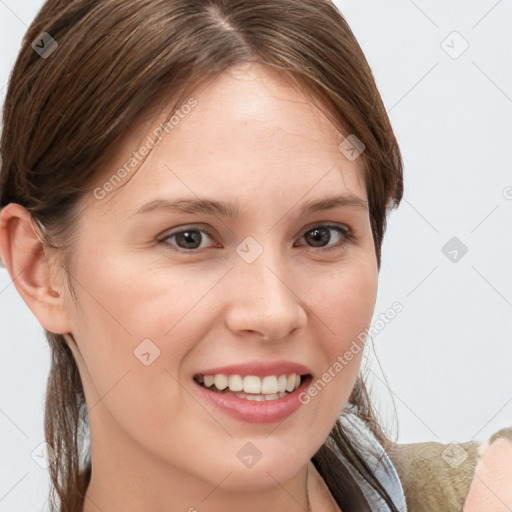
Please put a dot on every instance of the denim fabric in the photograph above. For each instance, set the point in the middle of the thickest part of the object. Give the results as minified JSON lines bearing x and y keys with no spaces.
{"x":381,"y":465}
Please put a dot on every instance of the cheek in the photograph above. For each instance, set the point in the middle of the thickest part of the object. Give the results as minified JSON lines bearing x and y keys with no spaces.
{"x":132,"y":297}
{"x":345,"y":302}
{"x":133,"y":381}
{"x":131,"y":316}
{"x":344,"y":307}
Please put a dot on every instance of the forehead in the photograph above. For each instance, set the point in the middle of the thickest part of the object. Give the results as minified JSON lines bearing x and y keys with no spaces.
{"x":249,"y":131}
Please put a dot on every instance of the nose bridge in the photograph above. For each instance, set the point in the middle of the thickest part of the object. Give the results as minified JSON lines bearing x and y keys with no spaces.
{"x":268,"y":281}
{"x":264,"y":300}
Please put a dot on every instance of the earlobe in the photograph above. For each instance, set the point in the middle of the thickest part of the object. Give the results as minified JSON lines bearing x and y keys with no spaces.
{"x":26,"y":261}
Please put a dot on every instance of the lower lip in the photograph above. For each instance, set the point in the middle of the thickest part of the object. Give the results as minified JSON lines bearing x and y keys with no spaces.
{"x":268,"y":411}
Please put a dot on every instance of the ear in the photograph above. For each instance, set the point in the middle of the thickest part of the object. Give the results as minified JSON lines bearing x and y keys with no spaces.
{"x":26,"y":260}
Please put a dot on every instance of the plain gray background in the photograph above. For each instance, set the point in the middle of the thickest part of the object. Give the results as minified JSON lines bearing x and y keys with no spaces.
{"x":447,"y":356}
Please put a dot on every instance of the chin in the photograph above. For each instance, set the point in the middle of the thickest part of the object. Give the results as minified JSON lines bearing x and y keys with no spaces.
{"x":259,"y":468}
{"x":260,"y":477}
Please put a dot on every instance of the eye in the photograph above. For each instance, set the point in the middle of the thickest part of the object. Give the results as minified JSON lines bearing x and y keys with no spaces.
{"x":189,"y":239}
{"x":321,"y":234}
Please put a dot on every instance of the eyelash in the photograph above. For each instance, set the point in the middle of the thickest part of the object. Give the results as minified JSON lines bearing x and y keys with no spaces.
{"x":348,"y":237}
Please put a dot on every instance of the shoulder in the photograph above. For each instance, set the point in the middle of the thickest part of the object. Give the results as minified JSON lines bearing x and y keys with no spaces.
{"x":471,"y":476}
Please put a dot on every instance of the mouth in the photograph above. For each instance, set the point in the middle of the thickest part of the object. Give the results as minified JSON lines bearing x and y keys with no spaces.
{"x":254,"y":391}
{"x":253,"y":387}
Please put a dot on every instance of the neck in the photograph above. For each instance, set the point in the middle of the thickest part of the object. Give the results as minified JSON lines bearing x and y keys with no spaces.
{"x":194,"y":497}
{"x":320,"y":498}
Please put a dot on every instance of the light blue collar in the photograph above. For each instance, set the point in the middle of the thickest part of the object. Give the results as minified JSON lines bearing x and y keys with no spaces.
{"x":381,"y":465}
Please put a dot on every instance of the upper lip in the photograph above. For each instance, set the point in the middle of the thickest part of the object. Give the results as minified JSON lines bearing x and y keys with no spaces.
{"x":259,"y":369}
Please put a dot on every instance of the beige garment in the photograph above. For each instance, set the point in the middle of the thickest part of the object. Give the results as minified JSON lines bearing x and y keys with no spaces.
{"x":469,"y":477}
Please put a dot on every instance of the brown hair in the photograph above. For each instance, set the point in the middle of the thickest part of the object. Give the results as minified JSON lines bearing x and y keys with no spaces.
{"x":64,"y":113}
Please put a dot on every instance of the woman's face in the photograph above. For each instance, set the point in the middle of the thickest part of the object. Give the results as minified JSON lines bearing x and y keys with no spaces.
{"x":252,"y":292}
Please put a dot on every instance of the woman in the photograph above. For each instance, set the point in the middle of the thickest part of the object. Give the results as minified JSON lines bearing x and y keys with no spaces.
{"x":194,"y":200}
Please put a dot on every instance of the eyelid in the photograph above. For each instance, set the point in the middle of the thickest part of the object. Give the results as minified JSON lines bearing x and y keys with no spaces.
{"x":186,"y":227}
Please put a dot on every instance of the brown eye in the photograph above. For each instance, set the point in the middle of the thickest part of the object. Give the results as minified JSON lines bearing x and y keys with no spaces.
{"x":320,"y":236}
{"x":188,"y":239}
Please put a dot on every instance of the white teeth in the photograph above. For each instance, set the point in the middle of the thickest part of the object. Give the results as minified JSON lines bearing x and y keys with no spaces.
{"x":221,"y":381}
{"x":281,"y":383}
{"x":269,"y":387}
{"x":236,"y":383}
{"x":261,"y":398}
{"x":252,"y":384}
{"x":290,"y":382}
{"x":251,"y":397}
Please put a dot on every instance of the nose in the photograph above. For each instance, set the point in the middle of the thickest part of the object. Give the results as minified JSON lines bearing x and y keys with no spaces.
{"x":263,"y":298}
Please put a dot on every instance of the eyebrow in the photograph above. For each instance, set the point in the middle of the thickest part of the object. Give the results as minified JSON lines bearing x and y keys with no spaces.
{"x":232,"y":210}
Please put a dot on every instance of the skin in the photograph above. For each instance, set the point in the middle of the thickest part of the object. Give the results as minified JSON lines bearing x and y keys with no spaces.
{"x":254,"y":140}
{"x":491,"y":487}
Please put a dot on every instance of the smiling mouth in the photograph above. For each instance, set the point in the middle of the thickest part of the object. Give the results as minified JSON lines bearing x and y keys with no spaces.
{"x":252,"y":387}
